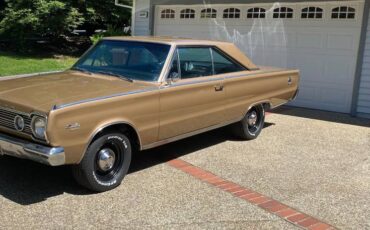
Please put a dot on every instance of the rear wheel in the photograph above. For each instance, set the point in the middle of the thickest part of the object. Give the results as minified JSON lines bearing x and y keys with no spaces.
{"x":250,"y":127}
{"x":105,"y":164}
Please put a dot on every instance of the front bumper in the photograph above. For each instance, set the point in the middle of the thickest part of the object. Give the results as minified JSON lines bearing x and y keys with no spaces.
{"x":11,"y":146}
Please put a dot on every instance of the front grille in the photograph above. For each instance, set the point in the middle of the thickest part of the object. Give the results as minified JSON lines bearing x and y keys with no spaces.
{"x":7,"y":120}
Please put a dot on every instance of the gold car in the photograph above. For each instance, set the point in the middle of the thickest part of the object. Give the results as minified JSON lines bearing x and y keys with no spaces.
{"x":136,"y":93}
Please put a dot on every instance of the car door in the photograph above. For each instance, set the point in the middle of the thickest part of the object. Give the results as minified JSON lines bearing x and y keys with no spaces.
{"x":194,"y":99}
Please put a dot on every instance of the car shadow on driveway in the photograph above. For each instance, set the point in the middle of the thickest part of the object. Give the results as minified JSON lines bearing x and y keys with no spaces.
{"x":322,"y":115}
{"x":25,"y":182}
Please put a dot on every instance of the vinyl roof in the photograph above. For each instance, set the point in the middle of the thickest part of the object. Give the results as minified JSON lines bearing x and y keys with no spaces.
{"x":166,"y":40}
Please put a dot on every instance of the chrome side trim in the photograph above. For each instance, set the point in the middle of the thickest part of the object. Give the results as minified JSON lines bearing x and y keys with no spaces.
{"x":190,"y":83}
{"x":11,"y":146}
{"x":56,"y":107}
{"x":186,"y":135}
{"x":200,"y":80}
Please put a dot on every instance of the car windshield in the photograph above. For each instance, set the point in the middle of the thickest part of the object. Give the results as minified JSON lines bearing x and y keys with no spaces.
{"x":130,"y":60}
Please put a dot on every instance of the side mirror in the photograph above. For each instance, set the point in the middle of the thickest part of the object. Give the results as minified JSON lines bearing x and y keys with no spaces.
{"x":173,"y":77}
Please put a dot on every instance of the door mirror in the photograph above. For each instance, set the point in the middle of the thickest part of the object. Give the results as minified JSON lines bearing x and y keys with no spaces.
{"x":173,"y":77}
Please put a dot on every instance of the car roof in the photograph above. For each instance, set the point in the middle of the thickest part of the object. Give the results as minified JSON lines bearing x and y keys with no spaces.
{"x":227,"y":47}
{"x":166,"y":40}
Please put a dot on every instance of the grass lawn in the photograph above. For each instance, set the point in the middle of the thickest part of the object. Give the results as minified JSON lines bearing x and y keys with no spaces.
{"x":12,"y":64}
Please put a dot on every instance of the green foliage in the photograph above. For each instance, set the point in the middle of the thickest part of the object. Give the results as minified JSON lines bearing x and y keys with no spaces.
{"x":96,"y":38}
{"x":111,"y":31}
{"x":21,"y":20}
{"x":104,"y":12}
{"x":42,"y":18}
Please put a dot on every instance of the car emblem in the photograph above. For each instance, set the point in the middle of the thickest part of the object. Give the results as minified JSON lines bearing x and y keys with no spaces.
{"x":19,"y":123}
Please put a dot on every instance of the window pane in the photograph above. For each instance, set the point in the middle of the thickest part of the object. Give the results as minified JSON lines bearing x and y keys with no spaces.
{"x":222,"y":64}
{"x":135,"y":60}
{"x":195,"y":62}
{"x":351,"y":15}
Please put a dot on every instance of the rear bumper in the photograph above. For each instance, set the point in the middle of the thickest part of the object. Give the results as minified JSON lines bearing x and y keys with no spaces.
{"x":12,"y":146}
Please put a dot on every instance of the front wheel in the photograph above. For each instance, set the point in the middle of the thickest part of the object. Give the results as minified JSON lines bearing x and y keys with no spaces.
{"x":105,"y":164}
{"x":250,"y":127}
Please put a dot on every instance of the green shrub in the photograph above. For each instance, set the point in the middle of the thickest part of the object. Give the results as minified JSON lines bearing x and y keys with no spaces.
{"x":38,"y":18}
{"x":111,"y":31}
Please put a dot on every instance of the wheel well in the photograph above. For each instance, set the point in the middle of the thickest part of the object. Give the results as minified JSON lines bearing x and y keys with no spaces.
{"x":266,"y":106}
{"x":121,"y":128}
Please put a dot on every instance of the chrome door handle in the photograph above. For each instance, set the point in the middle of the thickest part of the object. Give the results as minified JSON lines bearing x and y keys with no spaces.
{"x":219,"y":88}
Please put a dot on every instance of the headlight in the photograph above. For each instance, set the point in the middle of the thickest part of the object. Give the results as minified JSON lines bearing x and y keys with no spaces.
{"x":39,"y":127}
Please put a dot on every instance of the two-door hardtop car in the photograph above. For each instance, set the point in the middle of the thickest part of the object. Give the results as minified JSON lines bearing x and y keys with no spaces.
{"x":136,"y":93}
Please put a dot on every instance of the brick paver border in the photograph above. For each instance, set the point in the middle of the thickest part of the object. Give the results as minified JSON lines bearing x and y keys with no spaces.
{"x":273,"y":206}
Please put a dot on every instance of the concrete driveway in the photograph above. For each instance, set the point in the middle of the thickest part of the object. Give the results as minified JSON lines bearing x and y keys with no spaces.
{"x":316,"y":163}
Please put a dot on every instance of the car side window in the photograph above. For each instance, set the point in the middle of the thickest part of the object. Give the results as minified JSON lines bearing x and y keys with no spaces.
{"x":224,"y":64}
{"x":195,"y":62}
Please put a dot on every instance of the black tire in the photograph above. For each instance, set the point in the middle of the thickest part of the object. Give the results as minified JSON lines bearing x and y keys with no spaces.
{"x":94,"y":173}
{"x":245,"y":130}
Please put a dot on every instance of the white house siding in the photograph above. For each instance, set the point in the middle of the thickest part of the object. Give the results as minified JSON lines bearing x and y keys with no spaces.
{"x":363,"y":105}
{"x":142,"y":24}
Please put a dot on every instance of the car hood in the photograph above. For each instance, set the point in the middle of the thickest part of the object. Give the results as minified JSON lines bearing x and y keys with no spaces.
{"x":43,"y":92}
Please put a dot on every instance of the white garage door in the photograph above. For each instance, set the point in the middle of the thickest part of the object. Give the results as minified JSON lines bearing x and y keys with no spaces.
{"x":319,"y":38}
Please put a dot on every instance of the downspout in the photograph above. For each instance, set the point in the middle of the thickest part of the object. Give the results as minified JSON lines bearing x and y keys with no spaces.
{"x":360,"y":59}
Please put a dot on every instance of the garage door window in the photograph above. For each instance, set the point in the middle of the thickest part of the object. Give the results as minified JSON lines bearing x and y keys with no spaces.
{"x":283,"y":12}
{"x":232,"y":13}
{"x":312,"y":12}
{"x":168,"y":13}
{"x":208,"y":13}
{"x":256,"y":13}
{"x":343,"y":12}
{"x":187,"y":13}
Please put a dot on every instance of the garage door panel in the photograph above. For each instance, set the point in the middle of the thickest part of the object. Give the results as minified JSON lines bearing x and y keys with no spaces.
{"x":310,"y":40}
{"x":339,"y":70}
{"x":325,"y":50}
{"x":344,"y":42}
{"x":311,"y":67}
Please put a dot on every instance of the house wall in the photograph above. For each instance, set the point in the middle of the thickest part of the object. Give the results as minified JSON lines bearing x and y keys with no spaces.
{"x":363,"y":99}
{"x":142,"y":25}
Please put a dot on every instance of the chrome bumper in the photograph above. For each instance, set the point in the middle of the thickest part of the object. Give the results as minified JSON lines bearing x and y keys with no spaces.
{"x":11,"y":146}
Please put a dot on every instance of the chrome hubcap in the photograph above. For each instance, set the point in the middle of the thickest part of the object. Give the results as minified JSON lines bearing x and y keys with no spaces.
{"x":252,"y":118}
{"x":106,"y":159}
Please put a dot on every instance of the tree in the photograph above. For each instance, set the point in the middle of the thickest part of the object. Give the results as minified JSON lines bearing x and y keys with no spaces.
{"x":56,"y":19}
{"x":100,"y":14}
{"x":39,"y":18}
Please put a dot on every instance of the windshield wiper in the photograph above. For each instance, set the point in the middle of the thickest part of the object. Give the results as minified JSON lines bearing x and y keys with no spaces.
{"x":81,"y":70}
{"x":116,"y":75}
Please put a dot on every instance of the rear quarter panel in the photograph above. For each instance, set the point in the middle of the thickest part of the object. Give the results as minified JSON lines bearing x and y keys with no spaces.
{"x":246,"y":89}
